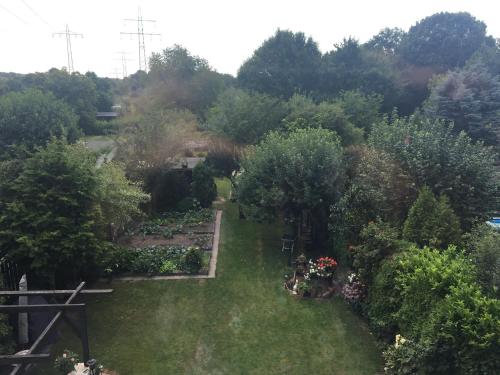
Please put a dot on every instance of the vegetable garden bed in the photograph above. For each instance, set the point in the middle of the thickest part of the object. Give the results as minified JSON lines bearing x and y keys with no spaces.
{"x":167,"y":245}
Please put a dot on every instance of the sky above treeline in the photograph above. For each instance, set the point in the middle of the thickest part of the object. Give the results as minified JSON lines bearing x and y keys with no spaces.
{"x":225,"y":32}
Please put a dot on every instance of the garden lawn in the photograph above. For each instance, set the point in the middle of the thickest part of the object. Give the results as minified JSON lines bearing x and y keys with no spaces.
{"x":241,"y":322}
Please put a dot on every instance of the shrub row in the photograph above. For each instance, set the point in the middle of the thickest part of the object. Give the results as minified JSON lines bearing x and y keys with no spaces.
{"x":154,"y":259}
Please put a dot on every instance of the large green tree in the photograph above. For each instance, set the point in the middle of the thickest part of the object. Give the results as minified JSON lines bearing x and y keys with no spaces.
{"x":350,"y":66}
{"x":291,"y":173}
{"x":387,"y":40}
{"x":31,"y":118}
{"x":471,"y":99}
{"x":444,"y":40}
{"x":55,"y":209}
{"x":179,"y":79}
{"x":285,"y":64}
{"x":431,"y":221}
{"x":245,"y":117}
{"x":304,"y":113}
{"x":377,"y":187}
{"x":448,"y":163}
{"x":48,"y":220}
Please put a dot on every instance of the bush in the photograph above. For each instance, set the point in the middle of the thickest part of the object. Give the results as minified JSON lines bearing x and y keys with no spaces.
{"x":448,"y":163}
{"x":222,"y":161}
{"x":193,"y":260}
{"x":30,"y":119}
{"x":410,"y":285}
{"x":378,"y":187}
{"x":406,"y":357}
{"x":483,"y":244}
{"x":432,"y":222}
{"x":464,"y":331}
{"x":431,"y":298}
{"x":384,"y":300}
{"x":203,"y":185}
{"x":379,"y":241}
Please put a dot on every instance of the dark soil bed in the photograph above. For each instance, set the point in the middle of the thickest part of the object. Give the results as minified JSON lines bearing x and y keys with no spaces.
{"x":196,"y":228}
{"x":203,"y":241}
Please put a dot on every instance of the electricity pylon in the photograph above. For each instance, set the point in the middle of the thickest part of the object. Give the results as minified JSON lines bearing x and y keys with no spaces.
{"x":143,"y":62}
{"x":69,"y":34}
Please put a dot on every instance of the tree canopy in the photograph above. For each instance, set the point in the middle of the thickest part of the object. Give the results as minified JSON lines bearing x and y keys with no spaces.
{"x":444,"y":40}
{"x":31,"y":118}
{"x":350,"y":66}
{"x":302,"y":170}
{"x":179,"y":79}
{"x":448,"y":163}
{"x":48,"y":220}
{"x":285,"y":64}
{"x":245,"y":117}
{"x":469,"y":97}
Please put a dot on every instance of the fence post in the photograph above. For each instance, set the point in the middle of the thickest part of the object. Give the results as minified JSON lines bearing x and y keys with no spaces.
{"x":23,"y":337}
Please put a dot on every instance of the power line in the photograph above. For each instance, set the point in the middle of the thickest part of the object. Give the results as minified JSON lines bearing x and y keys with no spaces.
{"x":69,"y":34}
{"x":143,"y":62}
{"x":13,"y":14}
{"x":37,"y":14}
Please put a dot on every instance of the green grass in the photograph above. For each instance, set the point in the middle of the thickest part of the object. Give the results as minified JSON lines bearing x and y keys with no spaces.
{"x":242,"y":322}
{"x":223,"y":187}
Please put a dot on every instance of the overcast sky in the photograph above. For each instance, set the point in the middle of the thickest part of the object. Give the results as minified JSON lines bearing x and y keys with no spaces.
{"x":225,"y":32}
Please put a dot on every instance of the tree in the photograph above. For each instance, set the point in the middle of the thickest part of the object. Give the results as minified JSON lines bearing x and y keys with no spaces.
{"x":78,"y":91}
{"x":445,"y":40}
{"x":285,"y":64}
{"x":483,"y":245}
{"x":31,"y":118}
{"x":103,"y":86}
{"x":118,"y":198}
{"x":377,"y":187}
{"x":387,"y":40}
{"x":203,"y":185}
{"x":149,"y":146}
{"x":245,"y":117}
{"x":432,"y":222}
{"x":469,"y":97}
{"x":48,"y":221}
{"x":379,"y":241}
{"x":304,"y":113}
{"x":352,"y":67}
{"x":448,"y":163}
{"x":291,"y":173}
{"x":181,"y":80}
{"x":362,"y":110}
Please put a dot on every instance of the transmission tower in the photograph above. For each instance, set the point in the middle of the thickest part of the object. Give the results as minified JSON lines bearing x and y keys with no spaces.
{"x":115,"y":73}
{"x":123,"y":59}
{"x":143,"y":62}
{"x":69,"y":34}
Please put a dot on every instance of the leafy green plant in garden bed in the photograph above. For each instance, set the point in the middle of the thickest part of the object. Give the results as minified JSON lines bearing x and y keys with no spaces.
{"x":157,"y":260}
{"x":164,"y":224}
{"x":154,"y":227}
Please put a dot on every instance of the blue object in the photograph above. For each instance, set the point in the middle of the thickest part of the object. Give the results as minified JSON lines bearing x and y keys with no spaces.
{"x":494,"y":222}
